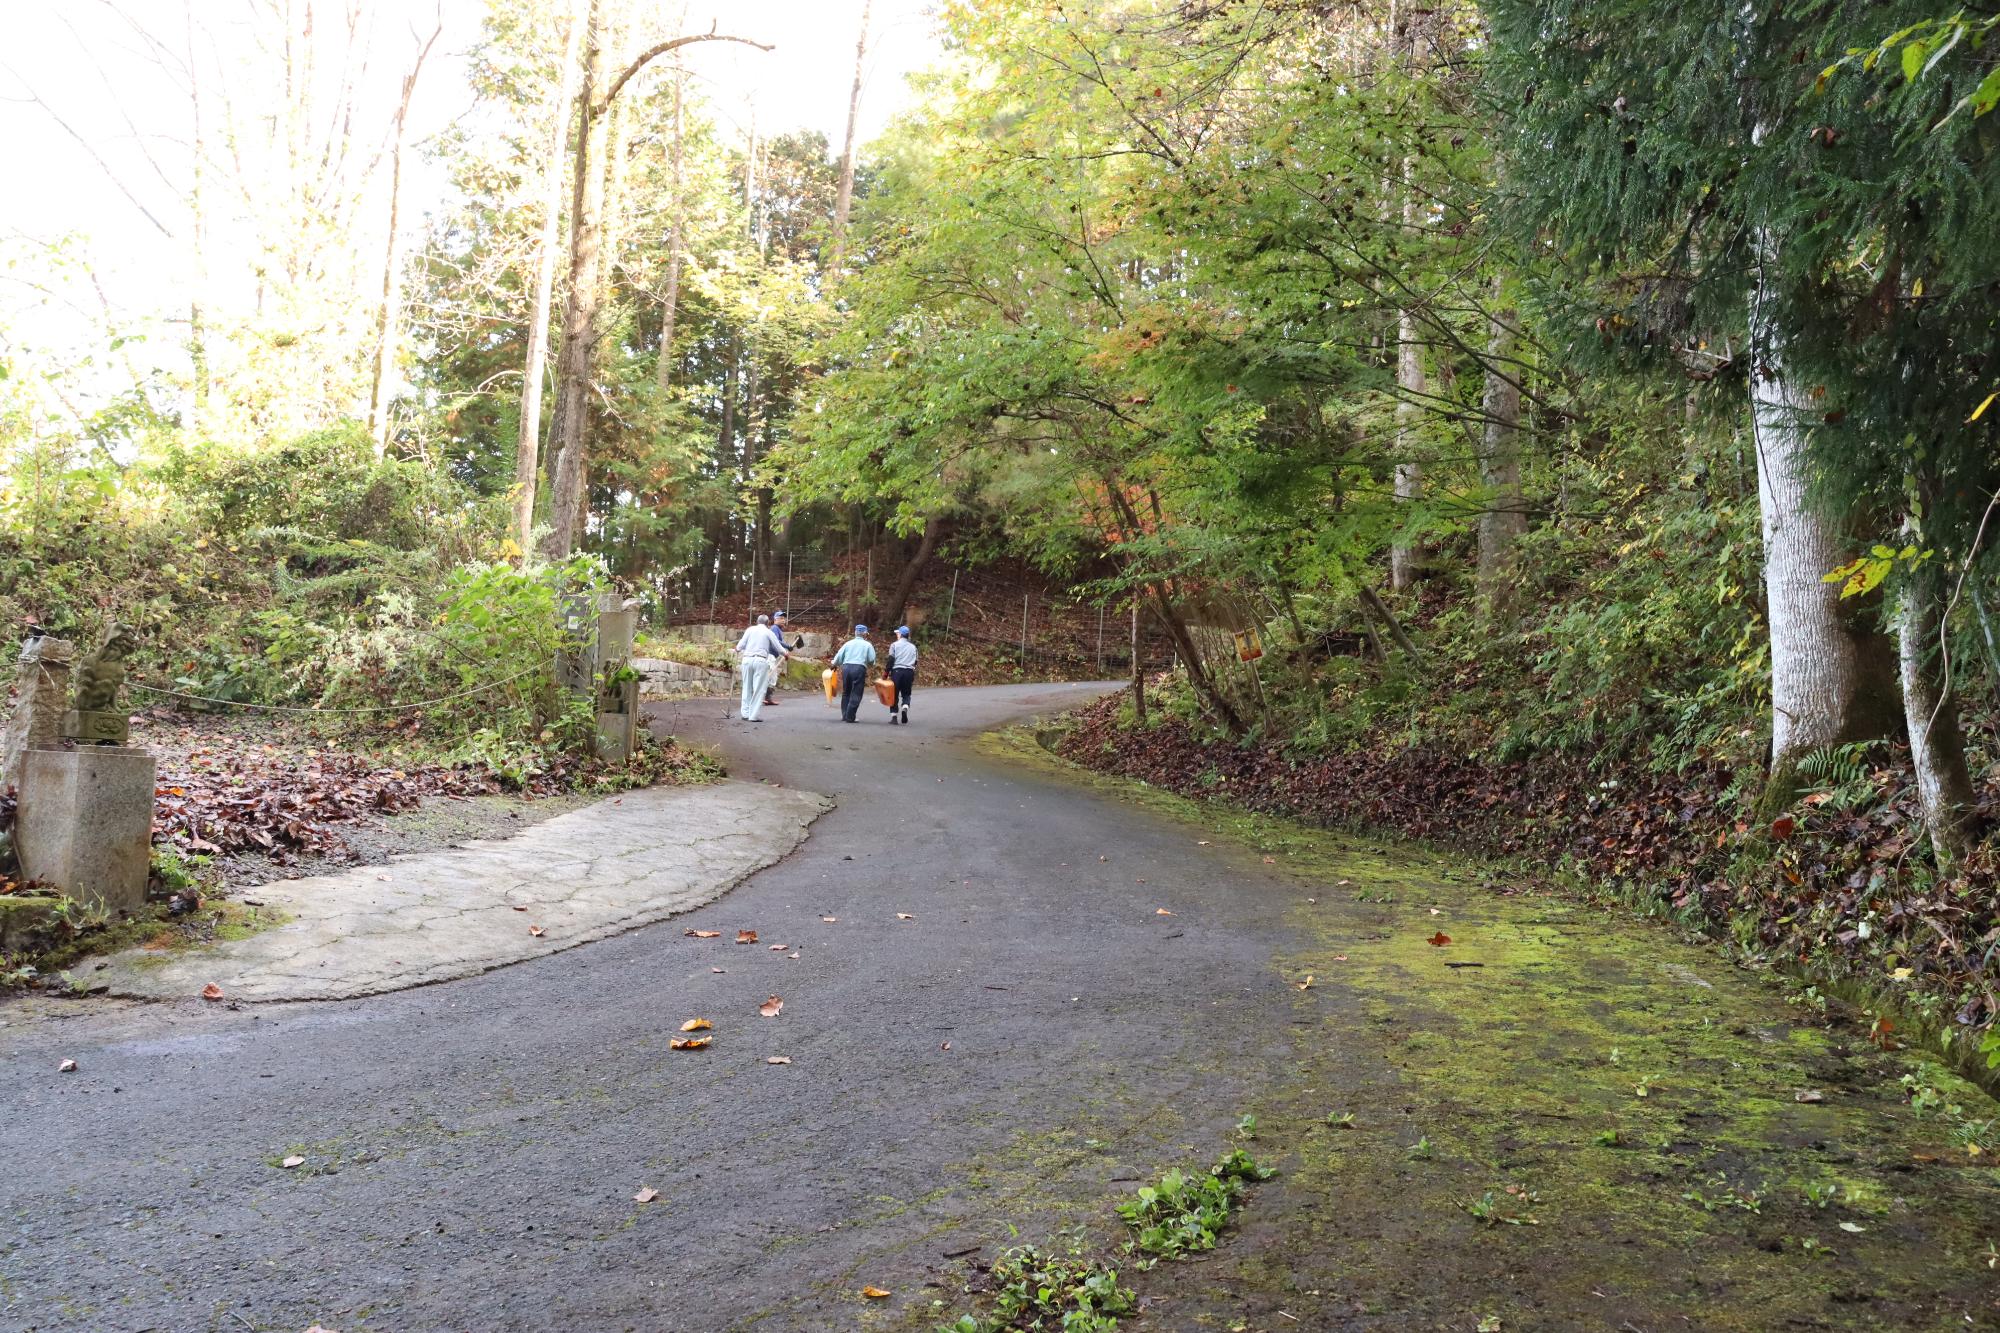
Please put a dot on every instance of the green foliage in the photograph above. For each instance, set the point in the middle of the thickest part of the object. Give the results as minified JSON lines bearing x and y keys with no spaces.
{"x":1051,"y":1288}
{"x":1185,"y":1212}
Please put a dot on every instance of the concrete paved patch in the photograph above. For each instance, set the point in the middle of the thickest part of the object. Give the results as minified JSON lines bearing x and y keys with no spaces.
{"x":607,"y":868}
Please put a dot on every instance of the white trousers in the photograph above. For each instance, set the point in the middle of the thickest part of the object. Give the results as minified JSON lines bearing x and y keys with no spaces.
{"x":756,"y":683}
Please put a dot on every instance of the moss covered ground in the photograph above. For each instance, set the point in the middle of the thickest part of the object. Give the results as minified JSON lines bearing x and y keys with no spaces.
{"x":1513,"y":1109}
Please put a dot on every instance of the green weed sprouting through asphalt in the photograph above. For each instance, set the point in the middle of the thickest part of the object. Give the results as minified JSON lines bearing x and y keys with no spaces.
{"x":1063,"y":1286}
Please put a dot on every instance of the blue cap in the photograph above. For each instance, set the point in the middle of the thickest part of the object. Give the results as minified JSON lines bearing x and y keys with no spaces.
{"x":860,"y":629}
{"x":903,"y":630}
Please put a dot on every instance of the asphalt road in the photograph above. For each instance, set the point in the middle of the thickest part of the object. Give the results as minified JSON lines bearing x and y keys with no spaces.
{"x":1031,"y":1040}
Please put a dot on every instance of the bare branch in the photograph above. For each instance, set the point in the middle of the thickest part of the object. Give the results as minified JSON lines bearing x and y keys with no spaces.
{"x":647,"y":55}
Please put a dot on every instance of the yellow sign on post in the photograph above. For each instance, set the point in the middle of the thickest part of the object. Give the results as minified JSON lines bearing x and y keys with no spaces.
{"x":1249,"y":645}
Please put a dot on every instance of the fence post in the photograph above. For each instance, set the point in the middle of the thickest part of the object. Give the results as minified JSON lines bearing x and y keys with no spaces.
{"x":788,"y":581}
{"x":951,"y":606}
{"x":1024,"y":629}
{"x":1100,"y":641}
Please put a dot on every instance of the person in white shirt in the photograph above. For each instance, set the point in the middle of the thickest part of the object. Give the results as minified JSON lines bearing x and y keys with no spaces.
{"x":902,"y":670}
{"x":761,"y":651}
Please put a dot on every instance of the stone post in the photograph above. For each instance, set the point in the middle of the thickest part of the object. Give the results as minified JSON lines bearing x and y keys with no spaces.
{"x":85,"y":825}
{"x":41,"y":696}
{"x":617,"y":696}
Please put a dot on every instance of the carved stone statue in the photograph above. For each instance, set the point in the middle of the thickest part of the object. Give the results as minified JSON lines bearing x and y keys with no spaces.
{"x":99,"y":677}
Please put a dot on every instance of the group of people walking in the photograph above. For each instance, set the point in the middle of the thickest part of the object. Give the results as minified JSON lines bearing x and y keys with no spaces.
{"x":764,"y":652}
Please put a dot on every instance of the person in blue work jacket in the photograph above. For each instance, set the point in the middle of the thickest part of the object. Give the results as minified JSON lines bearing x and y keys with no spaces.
{"x":852,"y":662}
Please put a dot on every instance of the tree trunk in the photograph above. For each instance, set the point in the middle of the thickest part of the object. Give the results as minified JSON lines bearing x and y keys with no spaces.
{"x":670,"y":303}
{"x":1833,"y":677}
{"x":1937,"y":744}
{"x":1138,"y":674}
{"x":580,"y":320}
{"x":1374,"y":603}
{"x":843,"y":199}
{"x":1409,"y":471}
{"x":527,"y":442}
{"x":392,"y":267}
{"x":1504,"y":520}
{"x":899,"y":598}
{"x":585,"y":286}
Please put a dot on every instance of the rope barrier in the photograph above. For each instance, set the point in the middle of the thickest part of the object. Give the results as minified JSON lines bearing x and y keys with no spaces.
{"x":372,"y":708}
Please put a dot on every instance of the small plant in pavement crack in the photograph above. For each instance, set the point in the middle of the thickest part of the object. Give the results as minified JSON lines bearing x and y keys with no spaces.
{"x":1059,"y":1287}
{"x":1184,"y":1213}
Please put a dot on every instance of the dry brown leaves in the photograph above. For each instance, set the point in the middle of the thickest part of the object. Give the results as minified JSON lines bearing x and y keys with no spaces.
{"x":688,"y":1043}
{"x":771,"y":1007}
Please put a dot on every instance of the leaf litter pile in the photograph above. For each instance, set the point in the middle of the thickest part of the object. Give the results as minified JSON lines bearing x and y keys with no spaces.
{"x":232,"y":785}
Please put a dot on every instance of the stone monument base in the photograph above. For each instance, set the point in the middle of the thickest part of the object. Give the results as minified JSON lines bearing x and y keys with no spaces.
{"x":85,"y":823}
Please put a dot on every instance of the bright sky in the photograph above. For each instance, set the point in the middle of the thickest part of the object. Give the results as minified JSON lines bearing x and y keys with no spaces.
{"x":104,"y":67}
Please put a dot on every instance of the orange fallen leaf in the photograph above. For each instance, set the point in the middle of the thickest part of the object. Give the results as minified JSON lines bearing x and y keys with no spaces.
{"x":292,"y":1161}
{"x":1439,"y":940}
{"x":771,"y":1007}
{"x":696,"y":1025}
{"x":66,"y":1067}
{"x":688,"y":1044}
{"x":777,"y":1059}
{"x":874,"y":1293}
{"x":536,"y":931}
{"x":646,"y":1195}
{"x":211,"y":991}
{"x":746,"y":937}
{"x":1161,"y":911}
{"x":697,"y":934}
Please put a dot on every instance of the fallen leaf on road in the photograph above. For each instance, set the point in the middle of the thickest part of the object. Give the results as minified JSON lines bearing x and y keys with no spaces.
{"x":66,"y":1067}
{"x":688,"y":1044}
{"x":715,"y":969}
{"x":1161,"y":911}
{"x":874,"y":1293}
{"x":698,"y":934}
{"x":904,"y":916}
{"x":944,"y":1046}
{"x":211,"y":991}
{"x":1201,"y":842}
{"x":829,"y":918}
{"x":646,"y":1196}
{"x":746,"y":937}
{"x":696,"y":1025}
{"x":777,"y":1059}
{"x":1307,"y":983}
{"x":523,"y":909}
{"x":771,"y":1007}
{"x":1439,"y":940}
{"x":793,"y":954}
{"x":382,"y":877}
{"x":536,"y":931}
{"x":292,"y":1161}
{"x":779,"y":948}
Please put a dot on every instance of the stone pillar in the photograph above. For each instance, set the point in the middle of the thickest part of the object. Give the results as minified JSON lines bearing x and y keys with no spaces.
{"x":85,"y":825}
{"x":617,"y":684}
{"x":41,"y":695}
